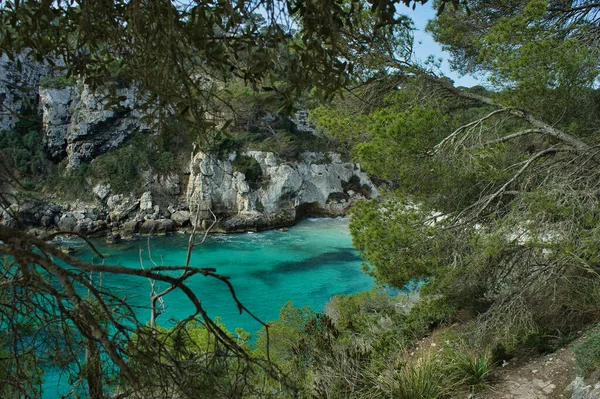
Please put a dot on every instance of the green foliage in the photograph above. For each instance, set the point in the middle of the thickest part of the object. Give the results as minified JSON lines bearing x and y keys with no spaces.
{"x":587,"y":352}
{"x":424,"y":378}
{"x":468,"y":366}
{"x":528,"y":48}
{"x":57,"y":82}
{"x":250,"y":168}
{"x":211,"y":368}
{"x":22,"y":149}
{"x":426,"y":315}
{"x":122,"y":167}
{"x":395,"y":244}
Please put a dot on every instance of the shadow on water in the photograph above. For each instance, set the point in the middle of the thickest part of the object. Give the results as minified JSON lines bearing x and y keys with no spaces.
{"x":339,"y":256}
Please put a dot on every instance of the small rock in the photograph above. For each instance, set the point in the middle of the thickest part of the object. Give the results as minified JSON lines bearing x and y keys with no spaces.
{"x":114,"y":200}
{"x":101,"y":191}
{"x":113,"y":238}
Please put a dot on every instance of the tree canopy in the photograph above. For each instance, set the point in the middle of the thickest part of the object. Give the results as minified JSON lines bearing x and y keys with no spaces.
{"x":492,"y":192}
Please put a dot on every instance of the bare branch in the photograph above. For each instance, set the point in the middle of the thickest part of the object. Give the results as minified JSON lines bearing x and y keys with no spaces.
{"x":509,"y":137}
{"x":450,"y":139}
{"x":544,"y":128}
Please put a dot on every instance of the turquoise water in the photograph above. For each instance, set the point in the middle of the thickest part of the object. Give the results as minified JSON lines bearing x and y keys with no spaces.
{"x":307,"y":265}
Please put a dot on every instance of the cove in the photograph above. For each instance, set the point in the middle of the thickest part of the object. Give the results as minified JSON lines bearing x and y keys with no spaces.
{"x":308,"y":264}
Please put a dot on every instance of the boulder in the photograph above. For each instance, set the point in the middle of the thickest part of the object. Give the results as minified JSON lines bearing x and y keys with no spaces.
{"x":146,"y":202}
{"x":101,"y":191}
{"x":130,"y":227}
{"x":181,"y":218}
{"x":67,"y":222}
{"x":160,"y":226}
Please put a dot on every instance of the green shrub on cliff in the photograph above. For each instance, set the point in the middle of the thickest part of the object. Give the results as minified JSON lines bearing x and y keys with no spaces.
{"x":22,"y":150}
{"x":250,"y":168}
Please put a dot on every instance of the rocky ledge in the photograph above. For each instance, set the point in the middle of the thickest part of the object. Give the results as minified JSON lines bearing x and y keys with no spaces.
{"x":282,"y":193}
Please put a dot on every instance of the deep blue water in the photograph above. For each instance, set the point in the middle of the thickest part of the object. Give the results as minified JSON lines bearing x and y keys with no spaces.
{"x":307,"y":265}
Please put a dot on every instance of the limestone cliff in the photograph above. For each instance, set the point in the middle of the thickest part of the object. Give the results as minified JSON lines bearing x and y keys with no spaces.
{"x":80,"y":124}
{"x":318,"y":184}
{"x":19,"y":80}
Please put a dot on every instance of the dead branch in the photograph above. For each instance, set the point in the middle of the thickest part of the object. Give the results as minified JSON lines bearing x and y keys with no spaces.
{"x":509,"y":137}
{"x":543,"y":127}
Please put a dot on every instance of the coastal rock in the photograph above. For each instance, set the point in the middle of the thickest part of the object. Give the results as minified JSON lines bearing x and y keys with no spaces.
{"x":80,"y":123}
{"x":319,"y":184}
{"x":101,"y":191}
{"x":19,"y":79}
{"x":181,"y":218}
{"x":67,"y":222}
{"x":160,"y":226}
{"x":122,"y":208}
{"x":130,"y":227}
{"x":146,"y":202}
{"x":583,"y":390}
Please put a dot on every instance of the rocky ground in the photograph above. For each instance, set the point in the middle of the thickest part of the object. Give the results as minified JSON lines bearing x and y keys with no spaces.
{"x":528,"y":375}
{"x":532,"y":377}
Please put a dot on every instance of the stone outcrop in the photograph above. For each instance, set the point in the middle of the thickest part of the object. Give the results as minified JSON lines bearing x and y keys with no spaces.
{"x":319,"y":184}
{"x":302,"y":125}
{"x":18,"y":87}
{"x":79,"y":124}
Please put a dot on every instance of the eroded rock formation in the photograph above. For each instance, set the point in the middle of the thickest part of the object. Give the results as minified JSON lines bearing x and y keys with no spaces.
{"x":317,"y":184}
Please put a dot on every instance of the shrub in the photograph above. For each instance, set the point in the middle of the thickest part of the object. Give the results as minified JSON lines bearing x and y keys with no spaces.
{"x":22,"y":149}
{"x":57,"y":82}
{"x":122,"y":167}
{"x":250,"y":168}
{"x":425,"y":315}
{"x":423,"y":379}
{"x":468,"y":366}
{"x":587,"y":352}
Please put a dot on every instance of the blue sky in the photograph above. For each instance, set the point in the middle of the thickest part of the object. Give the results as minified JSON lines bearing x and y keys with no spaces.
{"x":425,"y":46}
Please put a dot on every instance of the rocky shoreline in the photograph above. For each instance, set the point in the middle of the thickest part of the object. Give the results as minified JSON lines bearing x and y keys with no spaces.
{"x":317,"y":185}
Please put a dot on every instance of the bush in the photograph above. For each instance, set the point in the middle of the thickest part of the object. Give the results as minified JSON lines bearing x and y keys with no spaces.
{"x":423,"y":379}
{"x":57,"y":82}
{"x":22,"y":149}
{"x":468,"y":366}
{"x":250,"y":168}
{"x":122,"y":167}
{"x":426,"y":315}
{"x":587,"y":353}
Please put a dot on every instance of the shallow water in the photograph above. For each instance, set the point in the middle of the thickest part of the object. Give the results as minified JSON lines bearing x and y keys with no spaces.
{"x":307,"y":265}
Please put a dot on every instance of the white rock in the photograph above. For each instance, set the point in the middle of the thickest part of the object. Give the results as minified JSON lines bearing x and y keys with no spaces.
{"x":146,"y":202}
{"x":101,"y":191}
{"x":114,"y":200}
{"x":213,"y":186}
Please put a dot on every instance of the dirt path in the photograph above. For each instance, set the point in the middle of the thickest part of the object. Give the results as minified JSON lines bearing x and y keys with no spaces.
{"x":546,"y":377}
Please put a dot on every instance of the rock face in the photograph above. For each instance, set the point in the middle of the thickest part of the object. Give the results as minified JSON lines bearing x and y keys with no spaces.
{"x":18,"y":88}
{"x":302,"y":125}
{"x":80,"y":124}
{"x":319,"y":184}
